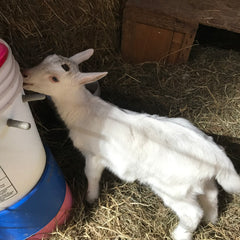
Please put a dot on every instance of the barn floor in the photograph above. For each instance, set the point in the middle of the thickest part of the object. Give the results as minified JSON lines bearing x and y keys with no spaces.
{"x":206,"y":91}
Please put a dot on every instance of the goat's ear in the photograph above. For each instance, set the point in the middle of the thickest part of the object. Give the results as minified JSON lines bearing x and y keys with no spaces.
{"x":86,"y":78}
{"x":82,"y":56}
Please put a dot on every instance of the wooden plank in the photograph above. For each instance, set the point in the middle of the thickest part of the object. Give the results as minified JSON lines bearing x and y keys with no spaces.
{"x":153,"y":18}
{"x":147,"y":36}
{"x":224,"y":14}
{"x":151,"y":43}
{"x":126,"y":42}
{"x":187,"y":45}
{"x":176,"y":46}
{"x":145,"y":43}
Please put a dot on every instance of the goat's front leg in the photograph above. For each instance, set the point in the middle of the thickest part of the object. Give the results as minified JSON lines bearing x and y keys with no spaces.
{"x":93,"y":171}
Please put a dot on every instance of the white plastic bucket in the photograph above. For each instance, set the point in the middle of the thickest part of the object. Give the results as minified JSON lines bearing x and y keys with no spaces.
{"x":22,"y":156}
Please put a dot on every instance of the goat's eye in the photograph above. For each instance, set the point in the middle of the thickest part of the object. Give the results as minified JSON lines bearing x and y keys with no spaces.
{"x":66,"y":67}
{"x":54,"y":79}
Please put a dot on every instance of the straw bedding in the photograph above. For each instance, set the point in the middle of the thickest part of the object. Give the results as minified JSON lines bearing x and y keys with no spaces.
{"x":206,"y":91}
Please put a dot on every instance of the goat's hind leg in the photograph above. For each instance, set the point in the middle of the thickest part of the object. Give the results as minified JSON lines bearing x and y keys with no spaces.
{"x":209,"y":202}
{"x":93,"y":171}
{"x":190,"y":215}
{"x":188,"y":211}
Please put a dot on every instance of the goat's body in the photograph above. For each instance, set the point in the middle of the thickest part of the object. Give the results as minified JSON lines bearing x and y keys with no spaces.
{"x":174,"y":158}
{"x":178,"y":161}
{"x":169,"y":154}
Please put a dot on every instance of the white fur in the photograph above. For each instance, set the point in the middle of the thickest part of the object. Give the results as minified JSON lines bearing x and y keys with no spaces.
{"x":178,"y":161}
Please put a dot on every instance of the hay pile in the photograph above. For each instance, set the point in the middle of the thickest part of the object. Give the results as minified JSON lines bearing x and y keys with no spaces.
{"x":206,"y":91}
{"x":35,"y":29}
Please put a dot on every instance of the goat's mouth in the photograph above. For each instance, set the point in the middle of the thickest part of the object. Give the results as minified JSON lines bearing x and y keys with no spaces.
{"x":27,"y":84}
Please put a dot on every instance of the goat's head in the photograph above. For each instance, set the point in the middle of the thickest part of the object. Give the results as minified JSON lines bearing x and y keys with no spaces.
{"x":57,"y":75}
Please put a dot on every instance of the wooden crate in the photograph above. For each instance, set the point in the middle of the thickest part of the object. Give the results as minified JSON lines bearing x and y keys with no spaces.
{"x":160,"y":30}
{"x":148,"y":35}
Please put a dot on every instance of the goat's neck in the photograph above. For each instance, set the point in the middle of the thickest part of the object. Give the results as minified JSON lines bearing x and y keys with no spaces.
{"x":73,"y":106}
{"x":80,"y":107}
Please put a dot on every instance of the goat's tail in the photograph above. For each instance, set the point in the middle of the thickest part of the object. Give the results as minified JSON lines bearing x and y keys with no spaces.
{"x":227,"y":176}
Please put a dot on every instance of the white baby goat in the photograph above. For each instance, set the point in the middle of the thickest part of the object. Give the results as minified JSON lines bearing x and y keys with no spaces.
{"x":178,"y":161}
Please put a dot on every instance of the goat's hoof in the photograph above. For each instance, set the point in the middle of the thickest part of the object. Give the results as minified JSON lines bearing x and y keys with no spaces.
{"x":91,"y":199}
{"x":211,"y":217}
{"x":181,"y":234}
